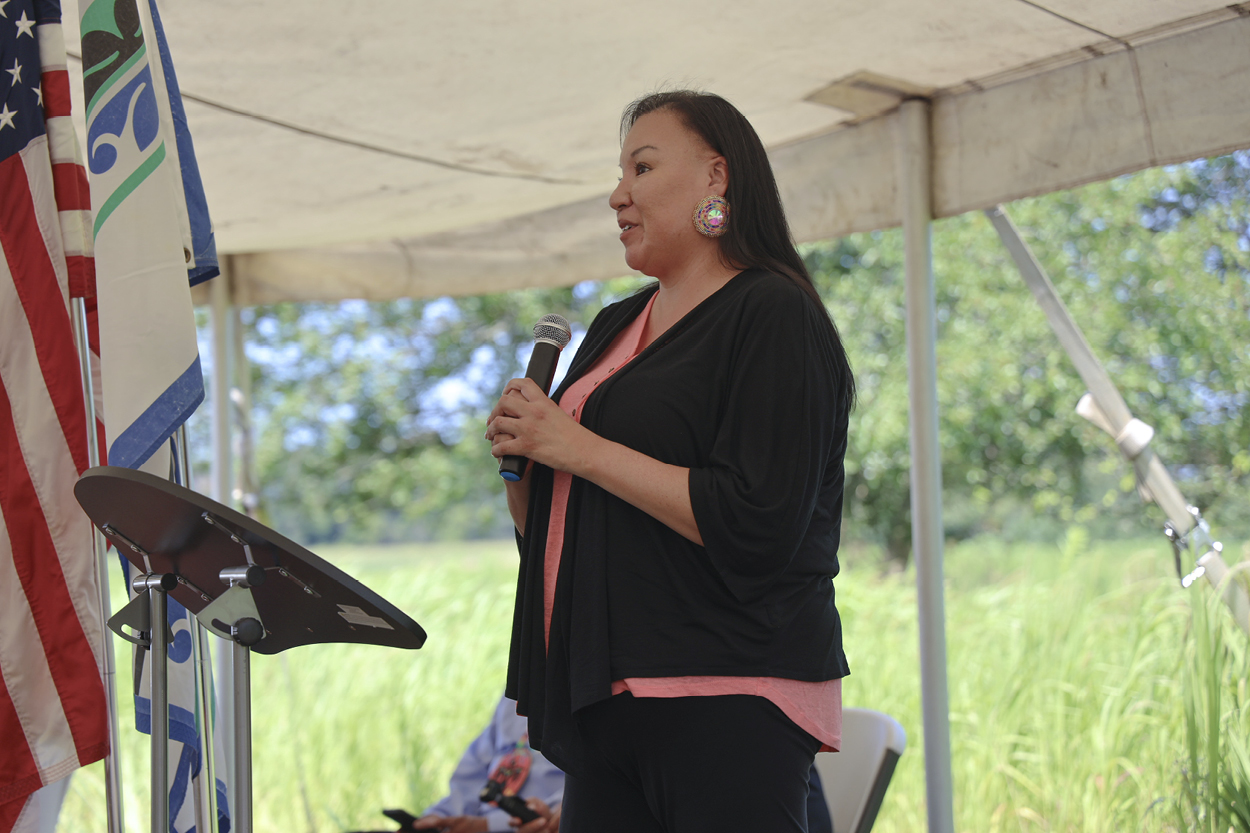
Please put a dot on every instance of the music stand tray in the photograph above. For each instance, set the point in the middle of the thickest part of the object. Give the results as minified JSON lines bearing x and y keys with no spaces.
{"x":242,"y":580}
{"x":161,"y":527}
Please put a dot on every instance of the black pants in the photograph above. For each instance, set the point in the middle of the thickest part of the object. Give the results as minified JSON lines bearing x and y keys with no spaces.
{"x":689,"y":765}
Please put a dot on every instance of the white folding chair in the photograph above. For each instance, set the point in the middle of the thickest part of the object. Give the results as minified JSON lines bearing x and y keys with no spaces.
{"x":855,"y":779}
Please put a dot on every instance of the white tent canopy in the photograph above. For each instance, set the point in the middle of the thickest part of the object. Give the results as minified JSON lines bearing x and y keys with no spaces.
{"x":395,"y":148}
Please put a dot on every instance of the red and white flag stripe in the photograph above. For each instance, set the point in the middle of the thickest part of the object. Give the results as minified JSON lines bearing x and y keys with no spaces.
{"x":73,"y":196}
{"x":52,"y":706}
{"x":72,"y":191}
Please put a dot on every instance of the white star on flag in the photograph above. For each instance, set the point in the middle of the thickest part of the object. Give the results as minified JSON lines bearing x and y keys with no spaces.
{"x":6,"y":117}
{"x":4,"y":3}
{"x":39,"y":93}
{"x":16,"y":72}
{"x":25,"y":26}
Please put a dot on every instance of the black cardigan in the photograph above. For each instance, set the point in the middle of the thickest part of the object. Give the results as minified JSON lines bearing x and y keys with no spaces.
{"x":745,"y":391}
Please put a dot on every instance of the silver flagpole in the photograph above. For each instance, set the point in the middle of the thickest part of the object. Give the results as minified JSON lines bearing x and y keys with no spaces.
{"x":112,"y":762}
{"x":220,"y":488}
{"x":201,"y":660}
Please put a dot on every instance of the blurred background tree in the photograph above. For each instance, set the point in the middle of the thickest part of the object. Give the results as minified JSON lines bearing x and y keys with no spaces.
{"x":1154,"y":267}
{"x":369,"y":414}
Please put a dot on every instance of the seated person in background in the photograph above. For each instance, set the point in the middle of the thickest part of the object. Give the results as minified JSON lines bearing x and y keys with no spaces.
{"x":501,"y":753}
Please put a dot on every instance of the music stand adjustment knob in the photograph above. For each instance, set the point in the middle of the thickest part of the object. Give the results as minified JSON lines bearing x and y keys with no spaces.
{"x":247,"y":631}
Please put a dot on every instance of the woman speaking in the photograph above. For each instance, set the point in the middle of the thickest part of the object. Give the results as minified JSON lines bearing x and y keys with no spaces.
{"x":676,"y":645}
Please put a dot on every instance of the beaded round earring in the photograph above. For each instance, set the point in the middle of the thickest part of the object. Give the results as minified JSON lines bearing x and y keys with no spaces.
{"x":711,"y":216}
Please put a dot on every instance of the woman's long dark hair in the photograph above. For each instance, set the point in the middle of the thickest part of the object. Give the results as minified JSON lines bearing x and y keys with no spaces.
{"x":758,"y":235}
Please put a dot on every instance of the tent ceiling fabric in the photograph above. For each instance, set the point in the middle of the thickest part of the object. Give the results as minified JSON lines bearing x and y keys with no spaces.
{"x":404,"y":148}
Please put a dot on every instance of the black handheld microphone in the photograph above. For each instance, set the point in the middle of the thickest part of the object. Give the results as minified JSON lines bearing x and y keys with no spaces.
{"x":551,"y":334}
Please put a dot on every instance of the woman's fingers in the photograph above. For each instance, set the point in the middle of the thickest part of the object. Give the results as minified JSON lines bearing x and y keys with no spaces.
{"x":522,"y":398}
{"x":526,"y":387}
{"x":503,"y":440}
{"x":492,"y":427}
{"x":509,"y":405}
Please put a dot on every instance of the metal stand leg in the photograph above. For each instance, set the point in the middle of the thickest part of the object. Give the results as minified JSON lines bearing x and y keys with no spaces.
{"x":243,"y":738}
{"x":208,"y":724}
{"x":245,"y":632}
{"x":160,"y":714}
{"x":156,"y":585}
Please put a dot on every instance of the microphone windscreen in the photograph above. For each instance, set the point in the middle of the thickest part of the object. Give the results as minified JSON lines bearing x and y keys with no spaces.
{"x":553,"y":328}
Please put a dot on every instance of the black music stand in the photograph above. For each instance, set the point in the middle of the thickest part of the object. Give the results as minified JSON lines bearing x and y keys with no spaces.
{"x":242,"y":580}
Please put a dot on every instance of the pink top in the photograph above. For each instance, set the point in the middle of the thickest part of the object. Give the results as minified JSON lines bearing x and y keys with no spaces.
{"x":816,"y":707}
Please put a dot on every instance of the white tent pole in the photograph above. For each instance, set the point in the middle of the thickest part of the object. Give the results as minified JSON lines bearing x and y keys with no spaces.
{"x":241,"y":397}
{"x":915,"y":191}
{"x":112,"y":762}
{"x":219,"y":295}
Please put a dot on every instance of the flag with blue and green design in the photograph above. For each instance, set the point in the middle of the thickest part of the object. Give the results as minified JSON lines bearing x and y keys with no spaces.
{"x":153,"y":240}
{"x":145,"y":193}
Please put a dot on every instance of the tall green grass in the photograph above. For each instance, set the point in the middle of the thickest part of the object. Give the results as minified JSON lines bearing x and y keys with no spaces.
{"x":1066,"y":666}
{"x":1215,"y":780}
{"x":1063,"y":680}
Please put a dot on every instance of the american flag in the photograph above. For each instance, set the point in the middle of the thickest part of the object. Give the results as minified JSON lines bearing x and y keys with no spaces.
{"x":53,"y":717}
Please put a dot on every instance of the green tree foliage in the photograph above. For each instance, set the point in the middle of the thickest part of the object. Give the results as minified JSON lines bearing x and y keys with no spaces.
{"x":370,"y":414}
{"x":1154,"y":268}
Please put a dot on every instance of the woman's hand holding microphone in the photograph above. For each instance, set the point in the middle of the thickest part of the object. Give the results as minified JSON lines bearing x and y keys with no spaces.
{"x":527,"y":423}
